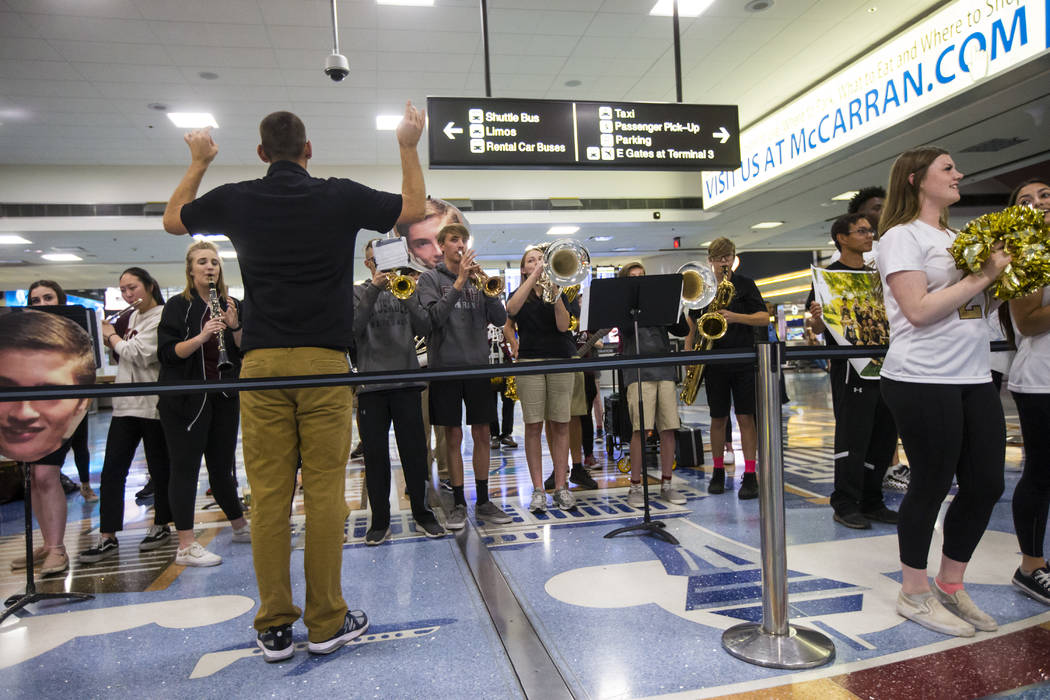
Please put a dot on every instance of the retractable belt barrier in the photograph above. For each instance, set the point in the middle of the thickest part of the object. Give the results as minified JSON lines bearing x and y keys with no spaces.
{"x":773,"y":642}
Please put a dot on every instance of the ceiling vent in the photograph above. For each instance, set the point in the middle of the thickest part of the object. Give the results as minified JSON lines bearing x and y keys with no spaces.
{"x":993,"y":145}
{"x":566,"y":203}
{"x":462,"y":204}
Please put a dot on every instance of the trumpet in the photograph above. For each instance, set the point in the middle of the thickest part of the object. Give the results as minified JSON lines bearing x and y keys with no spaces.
{"x":402,"y":286}
{"x":490,"y":286}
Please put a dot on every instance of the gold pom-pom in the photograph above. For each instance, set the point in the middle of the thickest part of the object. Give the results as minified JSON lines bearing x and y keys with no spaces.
{"x":1025,"y":236}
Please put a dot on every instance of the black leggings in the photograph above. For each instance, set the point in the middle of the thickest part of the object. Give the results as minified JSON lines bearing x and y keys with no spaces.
{"x":507,"y":414}
{"x":1032,"y":495}
{"x":213,"y":436}
{"x":81,"y":453}
{"x":590,"y":390}
{"x":375,"y":411}
{"x":948,"y":431}
{"x":121,"y":443}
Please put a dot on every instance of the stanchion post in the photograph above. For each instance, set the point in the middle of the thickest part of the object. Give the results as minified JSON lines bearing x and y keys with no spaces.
{"x":774,"y":643}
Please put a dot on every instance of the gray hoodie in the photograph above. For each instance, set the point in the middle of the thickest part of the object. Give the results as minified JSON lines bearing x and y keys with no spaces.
{"x":459,"y":319}
{"x":385,"y":328}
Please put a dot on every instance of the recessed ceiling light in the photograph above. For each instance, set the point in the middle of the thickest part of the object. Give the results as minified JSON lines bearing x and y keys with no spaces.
{"x":767,"y":224}
{"x":387,"y":122}
{"x":623,"y":250}
{"x":192,"y":120}
{"x":573,"y":83}
{"x":227,"y":253}
{"x":412,"y":3}
{"x":207,"y":75}
{"x":706,"y":244}
{"x":845,"y":196}
{"x":873,"y":9}
{"x":686,"y":8}
{"x":61,"y":257}
{"x":758,"y":5}
{"x":11,"y":239}
{"x":157,"y":106}
{"x":600,"y":239}
{"x":562,"y":230}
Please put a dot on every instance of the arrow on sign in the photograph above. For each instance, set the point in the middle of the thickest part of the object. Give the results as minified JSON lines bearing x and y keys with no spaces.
{"x":721,"y":134}
{"x":451,"y":130}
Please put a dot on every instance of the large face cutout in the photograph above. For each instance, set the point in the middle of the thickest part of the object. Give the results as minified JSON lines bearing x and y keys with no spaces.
{"x":30,"y":430}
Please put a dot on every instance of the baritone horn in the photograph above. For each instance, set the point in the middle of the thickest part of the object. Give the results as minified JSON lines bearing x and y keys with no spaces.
{"x":566,"y":263}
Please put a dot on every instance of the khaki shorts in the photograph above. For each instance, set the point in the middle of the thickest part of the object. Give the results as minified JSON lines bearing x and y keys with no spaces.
{"x":579,"y":396}
{"x":660,"y":400}
{"x":545,"y":396}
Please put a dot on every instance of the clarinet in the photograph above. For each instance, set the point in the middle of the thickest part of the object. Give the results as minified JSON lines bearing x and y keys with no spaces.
{"x":216,"y":313}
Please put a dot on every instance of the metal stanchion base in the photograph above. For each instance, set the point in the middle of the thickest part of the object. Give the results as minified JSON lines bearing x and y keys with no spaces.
{"x":800,"y":648}
{"x":649,"y":527}
{"x":17,"y":602}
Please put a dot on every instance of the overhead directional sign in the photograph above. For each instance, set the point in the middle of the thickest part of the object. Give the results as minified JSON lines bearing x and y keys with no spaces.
{"x":487,"y":132}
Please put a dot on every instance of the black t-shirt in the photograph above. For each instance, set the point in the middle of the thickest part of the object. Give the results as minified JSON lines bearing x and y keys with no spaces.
{"x":294,"y":235}
{"x":746,"y":300}
{"x":538,"y":334}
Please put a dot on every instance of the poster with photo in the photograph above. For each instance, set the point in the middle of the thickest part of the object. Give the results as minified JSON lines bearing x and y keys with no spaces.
{"x":853,"y":312}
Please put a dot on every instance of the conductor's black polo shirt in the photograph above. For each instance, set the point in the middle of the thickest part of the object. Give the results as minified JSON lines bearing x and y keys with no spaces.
{"x":294,"y":235}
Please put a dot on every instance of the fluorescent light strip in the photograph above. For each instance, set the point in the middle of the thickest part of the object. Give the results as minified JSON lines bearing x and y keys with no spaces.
{"x":783,"y":278}
{"x":227,"y":253}
{"x":686,"y":8}
{"x":387,"y":122}
{"x":562,"y":230}
{"x":213,"y":237}
{"x":12,"y":239}
{"x":407,"y":3}
{"x":192,"y":120}
{"x":767,"y":224}
{"x":61,"y":257}
{"x":785,"y":292}
{"x":845,"y":196}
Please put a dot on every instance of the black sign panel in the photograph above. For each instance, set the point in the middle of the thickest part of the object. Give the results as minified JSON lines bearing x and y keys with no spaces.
{"x":487,"y":132}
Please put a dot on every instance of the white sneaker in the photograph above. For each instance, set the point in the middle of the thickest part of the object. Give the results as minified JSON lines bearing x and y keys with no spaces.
{"x":243,"y":535}
{"x":670,"y":494}
{"x":538,"y":504}
{"x":564,"y":499}
{"x":961,"y":605}
{"x":929,"y":613}
{"x":635,"y":498}
{"x":195,"y":555}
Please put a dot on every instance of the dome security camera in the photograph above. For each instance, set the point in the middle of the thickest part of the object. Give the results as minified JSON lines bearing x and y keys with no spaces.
{"x":336,"y":67}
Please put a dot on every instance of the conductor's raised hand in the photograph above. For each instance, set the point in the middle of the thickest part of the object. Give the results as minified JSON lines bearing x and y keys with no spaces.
{"x":203,"y":148}
{"x":410,"y":128}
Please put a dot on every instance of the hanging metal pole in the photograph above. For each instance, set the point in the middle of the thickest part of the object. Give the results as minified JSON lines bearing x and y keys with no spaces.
{"x":774,"y":643}
{"x":335,"y":28}
{"x":677,"y":51}
{"x":485,"y":40}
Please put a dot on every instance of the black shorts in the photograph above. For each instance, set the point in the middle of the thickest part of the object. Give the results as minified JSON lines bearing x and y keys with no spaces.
{"x":720,"y":382}
{"x":58,"y":457}
{"x":448,"y":397}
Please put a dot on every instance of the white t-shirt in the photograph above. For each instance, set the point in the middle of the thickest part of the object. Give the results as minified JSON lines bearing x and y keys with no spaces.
{"x":952,"y":350}
{"x":1030,"y":373}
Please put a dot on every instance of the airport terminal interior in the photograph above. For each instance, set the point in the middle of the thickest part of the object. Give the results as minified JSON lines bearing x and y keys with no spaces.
{"x":810,"y":101}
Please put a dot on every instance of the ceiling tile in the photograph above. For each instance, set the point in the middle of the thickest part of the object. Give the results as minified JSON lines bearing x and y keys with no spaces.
{"x":71,"y":28}
{"x":102,"y":52}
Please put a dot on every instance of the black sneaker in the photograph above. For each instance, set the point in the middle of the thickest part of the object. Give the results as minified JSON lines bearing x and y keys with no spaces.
{"x":748,"y":487}
{"x":445,"y":484}
{"x":1034,"y":585}
{"x":882,"y":515}
{"x":431,"y":528}
{"x":105,"y":547}
{"x":146,"y":491}
{"x":358,"y":452}
{"x":156,"y":536}
{"x":508,"y":441}
{"x":853,"y":520}
{"x":718,"y":481}
{"x":374,"y":536}
{"x":354,"y":625}
{"x":548,"y":483}
{"x":276,"y":643}
{"x":581,"y":477}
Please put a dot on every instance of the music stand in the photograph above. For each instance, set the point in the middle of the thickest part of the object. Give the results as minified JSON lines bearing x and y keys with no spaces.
{"x":18,"y":601}
{"x":641,"y":302}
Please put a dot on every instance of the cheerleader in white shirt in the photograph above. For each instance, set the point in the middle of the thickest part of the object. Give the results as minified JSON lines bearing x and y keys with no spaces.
{"x":1030,"y":386}
{"x":937,"y":383}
